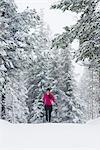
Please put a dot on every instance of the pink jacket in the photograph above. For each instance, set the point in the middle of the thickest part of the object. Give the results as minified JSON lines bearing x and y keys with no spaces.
{"x":48,"y":99}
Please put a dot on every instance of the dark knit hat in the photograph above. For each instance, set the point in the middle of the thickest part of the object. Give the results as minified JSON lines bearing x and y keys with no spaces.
{"x":48,"y":89}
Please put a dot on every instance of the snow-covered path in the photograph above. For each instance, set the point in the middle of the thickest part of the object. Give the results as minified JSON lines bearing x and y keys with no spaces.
{"x":50,"y":136}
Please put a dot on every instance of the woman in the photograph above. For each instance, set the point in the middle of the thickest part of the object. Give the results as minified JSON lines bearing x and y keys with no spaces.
{"x":48,"y":99}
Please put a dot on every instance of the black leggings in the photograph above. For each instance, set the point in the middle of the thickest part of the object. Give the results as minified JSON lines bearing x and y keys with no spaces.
{"x":48,"y":110}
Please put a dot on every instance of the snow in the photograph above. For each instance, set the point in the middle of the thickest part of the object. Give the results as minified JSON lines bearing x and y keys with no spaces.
{"x":2,"y":68}
{"x":50,"y":136}
{"x":94,"y":122}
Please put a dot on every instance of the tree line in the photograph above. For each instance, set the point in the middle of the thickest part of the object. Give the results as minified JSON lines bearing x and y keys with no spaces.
{"x":30,"y":61}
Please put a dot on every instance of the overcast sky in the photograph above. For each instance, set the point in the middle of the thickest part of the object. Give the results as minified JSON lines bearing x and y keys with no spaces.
{"x":56,"y":19}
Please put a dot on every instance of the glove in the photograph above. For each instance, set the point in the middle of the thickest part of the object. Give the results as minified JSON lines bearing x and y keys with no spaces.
{"x":52,"y":102}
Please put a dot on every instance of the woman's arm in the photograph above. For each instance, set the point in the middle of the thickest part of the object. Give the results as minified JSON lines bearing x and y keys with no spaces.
{"x":52,"y":97}
{"x":43,"y":98}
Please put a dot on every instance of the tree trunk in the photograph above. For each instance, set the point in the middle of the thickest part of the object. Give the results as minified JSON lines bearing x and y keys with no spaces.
{"x":3,"y":107}
{"x":3,"y":102}
{"x":92,"y":98}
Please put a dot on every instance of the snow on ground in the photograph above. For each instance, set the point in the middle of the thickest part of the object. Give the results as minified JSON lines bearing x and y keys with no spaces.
{"x":50,"y":136}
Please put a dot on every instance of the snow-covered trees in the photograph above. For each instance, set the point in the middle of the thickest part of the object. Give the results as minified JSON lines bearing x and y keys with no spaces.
{"x":87,"y":31}
{"x":37,"y":76}
{"x":15,"y":55}
{"x":7,"y":10}
{"x":65,"y":80}
{"x":29,"y":65}
{"x":89,"y":93}
{"x":20,"y":28}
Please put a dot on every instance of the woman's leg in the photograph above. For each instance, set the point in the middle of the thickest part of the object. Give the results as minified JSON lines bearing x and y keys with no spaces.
{"x":46,"y":110}
{"x":50,"y":110}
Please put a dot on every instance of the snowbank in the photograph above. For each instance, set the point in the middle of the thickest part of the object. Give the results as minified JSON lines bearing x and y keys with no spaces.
{"x":50,"y":136}
{"x":94,"y":122}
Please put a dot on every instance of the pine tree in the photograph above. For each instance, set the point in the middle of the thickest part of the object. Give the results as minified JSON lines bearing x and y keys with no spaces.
{"x":66,"y":109}
{"x":15,"y":60}
{"x":8,"y":9}
{"x":37,"y":77}
{"x":89,"y":93}
{"x":21,"y":25}
{"x":86,"y":30}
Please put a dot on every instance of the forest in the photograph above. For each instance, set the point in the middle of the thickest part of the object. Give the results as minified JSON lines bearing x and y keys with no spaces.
{"x":31,"y":61}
